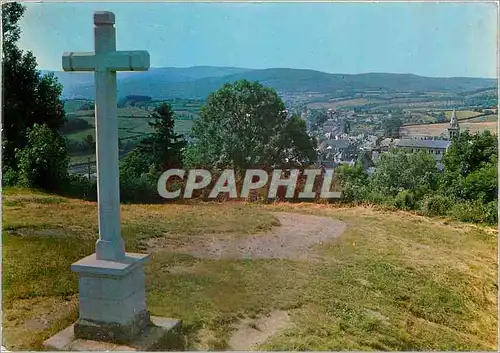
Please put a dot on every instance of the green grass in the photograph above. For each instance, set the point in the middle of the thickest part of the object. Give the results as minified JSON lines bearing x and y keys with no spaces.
{"x":80,"y":135}
{"x":433,"y":284}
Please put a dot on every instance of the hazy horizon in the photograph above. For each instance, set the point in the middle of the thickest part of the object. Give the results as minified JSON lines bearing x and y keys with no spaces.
{"x":439,"y":40}
{"x":287,"y":68}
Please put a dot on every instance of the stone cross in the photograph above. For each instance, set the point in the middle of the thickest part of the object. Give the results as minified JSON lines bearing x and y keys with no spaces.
{"x":111,"y":283}
{"x":105,"y":61}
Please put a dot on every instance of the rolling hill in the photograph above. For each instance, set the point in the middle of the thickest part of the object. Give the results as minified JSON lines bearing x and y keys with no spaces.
{"x":198,"y":82}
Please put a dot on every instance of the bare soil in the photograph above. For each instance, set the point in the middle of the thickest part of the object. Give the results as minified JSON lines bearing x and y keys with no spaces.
{"x":249,"y":334}
{"x":293,"y":239}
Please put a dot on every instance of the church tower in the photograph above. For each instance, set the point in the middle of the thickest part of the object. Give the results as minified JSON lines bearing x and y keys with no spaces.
{"x":454,"y":129}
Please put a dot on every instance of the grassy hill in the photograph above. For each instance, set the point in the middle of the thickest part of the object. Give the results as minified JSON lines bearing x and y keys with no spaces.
{"x":391,"y":281}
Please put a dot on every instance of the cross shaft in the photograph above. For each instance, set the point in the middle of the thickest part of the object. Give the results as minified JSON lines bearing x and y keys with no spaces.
{"x":105,"y":61}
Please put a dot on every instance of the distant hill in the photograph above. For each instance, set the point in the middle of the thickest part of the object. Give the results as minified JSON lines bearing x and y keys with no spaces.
{"x":198,"y":82}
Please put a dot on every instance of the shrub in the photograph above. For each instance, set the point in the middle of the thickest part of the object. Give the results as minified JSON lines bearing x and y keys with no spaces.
{"x":140,"y":190}
{"x":354,"y":192}
{"x":374,"y":196}
{"x":404,"y":200}
{"x":353,"y":182}
{"x":491,"y":212}
{"x":80,"y":187}
{"x":472,"y":211}
{"x":133,"y":165}
{"x":43,"y":163}
{"x":9,"y":177}
{"x":436,"y":205}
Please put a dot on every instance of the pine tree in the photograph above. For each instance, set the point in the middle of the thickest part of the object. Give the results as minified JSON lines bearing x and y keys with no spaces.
{"x":163,"y":146}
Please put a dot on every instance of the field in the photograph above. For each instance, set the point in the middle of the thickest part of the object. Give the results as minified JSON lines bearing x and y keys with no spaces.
{"x":462,"y":114}
{"x":132,"y":122}
{"x":438,"y":129}
{"x":377,"y":280}
{"x":485,"y":118}
{"x":340,"y":103}
{"x":423,"y":117}
{"x":373,"y":101}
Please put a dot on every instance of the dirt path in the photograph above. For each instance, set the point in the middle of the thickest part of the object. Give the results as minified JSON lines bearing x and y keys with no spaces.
{"x":293,"y":239}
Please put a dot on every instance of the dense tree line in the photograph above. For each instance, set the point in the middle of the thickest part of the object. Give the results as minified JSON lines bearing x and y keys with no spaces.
{"x":75,"y":124}
{"x":133,"y":100}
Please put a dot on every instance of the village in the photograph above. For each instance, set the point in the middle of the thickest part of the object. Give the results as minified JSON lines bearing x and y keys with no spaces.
{"x":336,"y":145}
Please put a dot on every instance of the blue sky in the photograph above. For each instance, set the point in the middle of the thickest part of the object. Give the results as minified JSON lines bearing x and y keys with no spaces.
{"x":441,"y":40}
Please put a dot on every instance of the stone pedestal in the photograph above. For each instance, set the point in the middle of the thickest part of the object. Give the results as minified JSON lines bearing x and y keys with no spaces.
{"x":163,"y":334}
{"x":113,"y":309}
{"x":112,"y":298}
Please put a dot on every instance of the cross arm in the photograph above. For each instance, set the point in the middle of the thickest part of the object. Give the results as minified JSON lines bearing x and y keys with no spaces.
{"x":78,"y":61}
{"x":136,"y":60}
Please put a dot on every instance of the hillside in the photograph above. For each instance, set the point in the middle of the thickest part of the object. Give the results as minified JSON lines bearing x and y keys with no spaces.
{"x":80,"y":84}
{"x":413,"y":284}
{"x":198,"y":82}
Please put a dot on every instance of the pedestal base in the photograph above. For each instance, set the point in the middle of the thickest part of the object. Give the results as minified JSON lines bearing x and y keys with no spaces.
{"x":112,"y":332}
{"x":162,"y":334}
{"x":112,"y":297}
{"x":113,"y":311}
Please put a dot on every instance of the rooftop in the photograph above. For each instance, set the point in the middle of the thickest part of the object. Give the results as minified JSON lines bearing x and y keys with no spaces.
{"x":334,"y":144}
{"x":418,"y":143}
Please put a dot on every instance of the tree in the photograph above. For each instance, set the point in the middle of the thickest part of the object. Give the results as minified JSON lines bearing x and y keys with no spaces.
{"x":347,"y":128}
{"x":353,"y":181}
{"x":441,"y":117}
{"x":391,"y":126}
{"x":89,"y":141}
{"x":244,"y":124}
{"x":398,"y":171}
{"x":28,"y":97}
{"x":43,"y":162}
{"x":470,"y":171}
{"x":75,"y":124}
{"x":163,"y":148}
{"x":133,"y":166}
{"x":318,"y":117}
{"x":301,"y":146}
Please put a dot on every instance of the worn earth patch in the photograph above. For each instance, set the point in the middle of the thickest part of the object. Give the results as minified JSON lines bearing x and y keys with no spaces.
{"x":292,"y":240}
{"x":249,"y":334}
